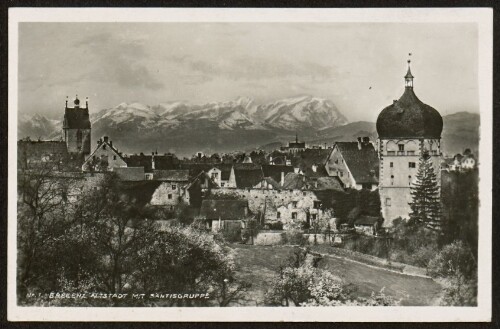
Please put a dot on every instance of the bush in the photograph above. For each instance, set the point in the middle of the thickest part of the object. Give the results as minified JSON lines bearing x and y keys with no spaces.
{"x":293,"y":237}
{"x":275,"y":226}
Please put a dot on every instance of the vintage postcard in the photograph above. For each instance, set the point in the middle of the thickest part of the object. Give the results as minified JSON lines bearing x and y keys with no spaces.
{"x":250,"y":164}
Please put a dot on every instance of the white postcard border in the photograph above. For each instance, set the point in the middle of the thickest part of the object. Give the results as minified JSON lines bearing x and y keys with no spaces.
{"x":483,"y":17}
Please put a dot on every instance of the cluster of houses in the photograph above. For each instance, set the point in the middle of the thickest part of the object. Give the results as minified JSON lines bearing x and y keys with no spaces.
{"x":283,"y":189}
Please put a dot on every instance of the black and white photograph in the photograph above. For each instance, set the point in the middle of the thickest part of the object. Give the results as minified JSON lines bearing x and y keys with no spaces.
{"x":250,"y":164}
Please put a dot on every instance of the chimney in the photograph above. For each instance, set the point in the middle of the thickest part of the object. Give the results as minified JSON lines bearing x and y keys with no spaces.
{"x":153,"y":161}
{"x":271,"y":160}
{"x":111,"y":143}
{"x":106,"y":138}
{"x":359,"y":143}
{"x":86,"y":102}
{"x":282,"y":182}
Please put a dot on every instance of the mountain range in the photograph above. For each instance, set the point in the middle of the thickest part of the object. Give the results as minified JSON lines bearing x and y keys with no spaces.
{"x":241,"y":124}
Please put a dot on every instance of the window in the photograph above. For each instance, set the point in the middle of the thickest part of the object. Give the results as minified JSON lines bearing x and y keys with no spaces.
{"x":401,"y":147}
{"x":412,"y":165}
{"x":391,"y":153}
{"x":392,"y":179}
{"x":409,"y":179}
{"x":410,"y":152}
{"x":93,"y":157}
{"x":391,"y":164}
{"x":215,"y":175}
{"x":222,"y":184}
{"x":336,"y":161}
{"x":174,"y":187}
{"x":149,"y":176}
{"x":341,"y":174}
{"x":387,"y":201}
{"x":104,"y":147}
{"x":278,"y":215}
{"x":114,"y":157}
{"x":317,"y":204}
{"x":294,"y":204}
{"x":169,"y":196}
{"x":314,"y":216}
{"x":304,"y":193}
{"x":294,"y":215}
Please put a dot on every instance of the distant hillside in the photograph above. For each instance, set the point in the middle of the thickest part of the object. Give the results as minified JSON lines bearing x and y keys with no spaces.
{"x":460,"y":131}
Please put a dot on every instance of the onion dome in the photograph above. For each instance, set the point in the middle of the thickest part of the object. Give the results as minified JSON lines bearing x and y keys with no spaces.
{"x":409,"y":117}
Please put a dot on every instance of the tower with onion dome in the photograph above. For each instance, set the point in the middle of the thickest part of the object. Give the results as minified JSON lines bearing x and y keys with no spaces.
{"x":406,"y":129}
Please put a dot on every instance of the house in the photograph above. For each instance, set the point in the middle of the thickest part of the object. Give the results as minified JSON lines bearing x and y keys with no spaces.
{"x":367,"y":225}
{"x":172,"y":189}
{"x":224,"y":214}
{"x":246,"y":175}
{"x":154,"y":161}
{"x":275,"y":174}
{"x":355,"y":164}
{"x":104,"y":157}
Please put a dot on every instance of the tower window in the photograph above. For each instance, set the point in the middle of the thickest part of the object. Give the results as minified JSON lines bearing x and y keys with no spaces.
{"x":401,"y":147}
{"x":387,"y":201}
{"x":412,"y":165}
{"x":392,"y":179}
{"x":391,"y":164}
{"x":170,"y":196}
{"x":294,"y":215}
{"x":278,"y":215}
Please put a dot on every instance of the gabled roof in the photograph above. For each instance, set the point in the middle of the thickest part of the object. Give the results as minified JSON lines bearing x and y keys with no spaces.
{"x":101,"y":145}
{"x":274,"y":171}
{"x":295,"y":181}
{"x":171,"y":175}
{"x":129,"y":173}
{"x":224,"y":209}
{"x":76,"y":118}
{"x":362,"y":163}
{"x":309,"y":157}
{"x":247,"y":175}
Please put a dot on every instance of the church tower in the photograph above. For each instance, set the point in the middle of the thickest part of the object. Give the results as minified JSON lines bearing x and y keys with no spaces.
{"x":76,"y":128}
{"x":406,"y":129}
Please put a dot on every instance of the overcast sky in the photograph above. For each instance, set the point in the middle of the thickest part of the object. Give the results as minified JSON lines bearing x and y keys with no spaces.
{"x":153,"y":63}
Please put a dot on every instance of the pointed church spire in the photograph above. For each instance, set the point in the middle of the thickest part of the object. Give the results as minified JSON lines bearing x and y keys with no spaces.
{"x":409,"y":77}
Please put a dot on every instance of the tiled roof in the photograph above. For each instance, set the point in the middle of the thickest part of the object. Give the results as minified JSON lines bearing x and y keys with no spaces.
{"x":295,"y":181}
{"x":224,"y":209}
{"x":305,"y":159}
{"x":274,"y":171}
{"x":76,"y":118}
{"x":171,"y":175}
{"x":129,"y":173}
{"x":362,"y":163}
{"x":247,"y":175}
{"x":328,"y":183}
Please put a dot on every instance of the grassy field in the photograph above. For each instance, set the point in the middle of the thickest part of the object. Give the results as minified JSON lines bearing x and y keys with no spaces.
{"x":258,"y":264}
